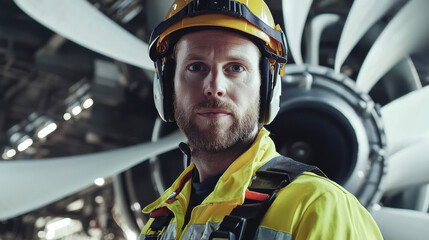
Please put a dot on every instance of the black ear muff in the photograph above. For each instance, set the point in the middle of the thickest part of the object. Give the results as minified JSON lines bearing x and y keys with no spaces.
{"x":265,"y":90}
{"x":163,"y":88}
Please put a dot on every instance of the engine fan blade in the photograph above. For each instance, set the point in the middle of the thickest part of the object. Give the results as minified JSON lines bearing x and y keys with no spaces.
{"x":80,"y":22}
{"x":406,"y":33}
{"x":396,"y":224}
{"x":362,"y":16}
{"x":403,"y":78}
{"x":295,"y":15}
{"x":317,"y":25}
{"x":30,"y":184}
{"x":406,"y":119}
{"x":407,"y":168}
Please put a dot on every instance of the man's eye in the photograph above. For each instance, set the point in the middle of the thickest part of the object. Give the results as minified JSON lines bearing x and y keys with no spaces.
{"x":237,"y":68}
{"x":195,"y":67}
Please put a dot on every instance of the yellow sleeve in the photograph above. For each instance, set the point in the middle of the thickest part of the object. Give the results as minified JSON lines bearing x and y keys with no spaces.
{"x":336,"y":216}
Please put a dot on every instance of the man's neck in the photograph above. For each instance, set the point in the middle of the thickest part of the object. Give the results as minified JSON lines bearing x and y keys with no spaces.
{"x":209,"y":164}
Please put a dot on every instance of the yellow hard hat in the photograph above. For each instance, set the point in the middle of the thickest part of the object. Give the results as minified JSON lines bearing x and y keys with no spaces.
{"x":251,"y":17}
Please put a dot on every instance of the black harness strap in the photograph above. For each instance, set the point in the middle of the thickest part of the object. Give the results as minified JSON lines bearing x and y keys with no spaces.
{"x":244,"y":220}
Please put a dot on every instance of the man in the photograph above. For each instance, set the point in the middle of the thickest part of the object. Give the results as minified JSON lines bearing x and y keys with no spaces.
{"x":218,"y":65}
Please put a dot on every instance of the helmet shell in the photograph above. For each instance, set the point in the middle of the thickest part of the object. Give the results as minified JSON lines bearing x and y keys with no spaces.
{"x":221,"y":20}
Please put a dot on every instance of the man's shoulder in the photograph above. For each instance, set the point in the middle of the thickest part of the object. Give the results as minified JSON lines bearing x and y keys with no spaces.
{"x":309,"y":186}
{"x":322,"y":184}
{"x":312,"y":195}
{"x":317,"y":205}
{"x":295,"y":200}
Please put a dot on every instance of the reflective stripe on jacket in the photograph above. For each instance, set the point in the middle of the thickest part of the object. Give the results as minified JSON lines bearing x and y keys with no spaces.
{"x":311,"y":207}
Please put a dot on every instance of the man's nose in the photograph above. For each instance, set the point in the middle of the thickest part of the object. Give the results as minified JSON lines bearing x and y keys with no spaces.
{"x":216,"y":84}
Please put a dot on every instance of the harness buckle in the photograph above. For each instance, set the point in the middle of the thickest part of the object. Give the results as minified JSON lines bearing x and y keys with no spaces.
{"x":151,"y":237}
{"x":220,"y":235}
{"x":231,"y":228}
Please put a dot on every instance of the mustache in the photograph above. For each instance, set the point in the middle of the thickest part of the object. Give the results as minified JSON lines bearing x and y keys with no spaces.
{"x":214,"y":103}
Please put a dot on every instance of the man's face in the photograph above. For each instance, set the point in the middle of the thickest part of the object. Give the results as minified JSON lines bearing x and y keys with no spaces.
{"x":216,"y":85}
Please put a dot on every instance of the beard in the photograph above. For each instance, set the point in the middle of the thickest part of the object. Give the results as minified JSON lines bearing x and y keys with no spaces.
{"x":216,"y":138}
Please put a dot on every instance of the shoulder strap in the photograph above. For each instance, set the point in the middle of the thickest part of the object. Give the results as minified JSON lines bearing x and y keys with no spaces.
{"x":244,"y":220}
{"x":278,"y":173}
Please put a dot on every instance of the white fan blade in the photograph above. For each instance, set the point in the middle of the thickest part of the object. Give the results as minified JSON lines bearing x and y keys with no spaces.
{"x":317,"y":25}
{"x":407,"y":168}
{"x":414,"y":198}
{"x":406,"y":33}
{"x":406,"y":119}
{"x":79,"y":21}
{"x":399,"y":224}
{"x":295,"y":15}
{"x":362,"y":16}
{"x":30,"y":184}
{"x":406,"y":74}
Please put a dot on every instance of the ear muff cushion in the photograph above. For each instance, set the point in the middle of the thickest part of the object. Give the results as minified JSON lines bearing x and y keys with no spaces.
{"x":168,"y":88}
{"x":265,"y":90}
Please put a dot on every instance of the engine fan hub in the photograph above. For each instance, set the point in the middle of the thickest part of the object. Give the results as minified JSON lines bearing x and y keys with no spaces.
{"x":325,"y":120}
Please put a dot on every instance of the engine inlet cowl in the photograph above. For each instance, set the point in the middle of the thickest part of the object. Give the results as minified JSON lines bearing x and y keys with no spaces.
{"x":324,"y":120}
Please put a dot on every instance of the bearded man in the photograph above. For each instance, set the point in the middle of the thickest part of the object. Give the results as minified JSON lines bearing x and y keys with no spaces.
{"x":218,"y":69}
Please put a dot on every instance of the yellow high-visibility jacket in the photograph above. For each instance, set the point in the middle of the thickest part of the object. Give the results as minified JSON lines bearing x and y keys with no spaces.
{"x":309,"y":208}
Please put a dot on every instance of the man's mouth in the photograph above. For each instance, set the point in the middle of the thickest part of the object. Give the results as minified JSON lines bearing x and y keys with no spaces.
{"x":213,"y":113}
